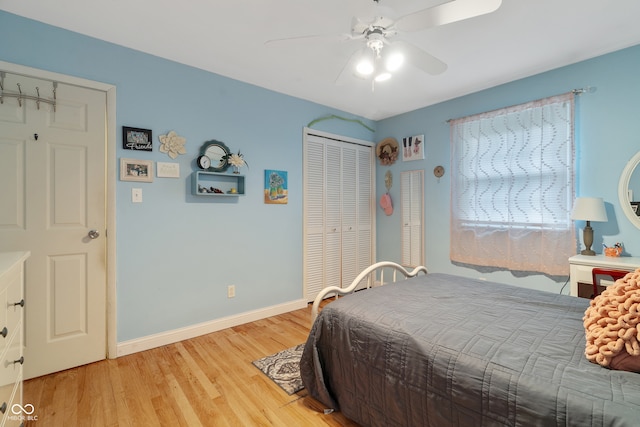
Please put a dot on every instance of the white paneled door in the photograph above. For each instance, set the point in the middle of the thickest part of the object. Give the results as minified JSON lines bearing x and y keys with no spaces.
{"x":52,"y":192}
{"x":411,"y":204}
{"x":338,"y":212}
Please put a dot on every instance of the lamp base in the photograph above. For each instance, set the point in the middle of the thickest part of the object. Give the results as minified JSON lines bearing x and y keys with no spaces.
{"x":587,"y":235}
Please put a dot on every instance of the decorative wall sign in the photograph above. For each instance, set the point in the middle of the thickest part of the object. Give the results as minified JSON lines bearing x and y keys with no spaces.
{"x":167,"y":170}
{"x":275,"y":187}
{"x":413,"y":148}
{"x":136,"y":139}
{"x":136,"y":170}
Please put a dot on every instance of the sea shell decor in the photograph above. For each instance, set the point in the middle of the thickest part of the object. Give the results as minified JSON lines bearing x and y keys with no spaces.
{"x":172,"y":144}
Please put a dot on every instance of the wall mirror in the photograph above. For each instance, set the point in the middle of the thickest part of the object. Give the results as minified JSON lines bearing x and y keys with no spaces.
{"x":629,"y":188}
{"x":218,"y":153}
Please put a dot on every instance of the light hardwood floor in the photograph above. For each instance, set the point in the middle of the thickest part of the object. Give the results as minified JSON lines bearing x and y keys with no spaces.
{"x":205,"y":381}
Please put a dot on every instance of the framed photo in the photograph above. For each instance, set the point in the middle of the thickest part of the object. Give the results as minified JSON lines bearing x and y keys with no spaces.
{"x":275,"y":187}
{"x":136,"y":170}
{"x":136,"y":139}
{"x":635,"y":207}
{"x":413,"y":148}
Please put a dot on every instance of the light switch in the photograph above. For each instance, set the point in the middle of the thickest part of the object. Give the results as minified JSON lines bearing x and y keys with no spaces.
{"x":136,"y":195}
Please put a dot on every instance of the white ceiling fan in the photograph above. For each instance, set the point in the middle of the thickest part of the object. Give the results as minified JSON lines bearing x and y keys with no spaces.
{"x":381,"y":55}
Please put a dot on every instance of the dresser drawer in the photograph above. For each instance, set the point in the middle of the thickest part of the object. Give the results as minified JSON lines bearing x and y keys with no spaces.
{"x":11,"y":304}
{"x":10,"y":369}
{"x":15,"y":416}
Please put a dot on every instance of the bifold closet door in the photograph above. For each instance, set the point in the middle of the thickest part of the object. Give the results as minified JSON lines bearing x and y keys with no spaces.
{"x":411,"y":205}
{"x":338,"y":208}
{"x":349,"y":194}
{"x":314,"y":183}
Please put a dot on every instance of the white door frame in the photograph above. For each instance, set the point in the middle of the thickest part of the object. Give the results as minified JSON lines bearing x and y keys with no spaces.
{"x":110,"y":90}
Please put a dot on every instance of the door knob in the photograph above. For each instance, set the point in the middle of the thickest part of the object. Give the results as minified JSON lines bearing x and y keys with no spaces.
{"x":93,"y":234}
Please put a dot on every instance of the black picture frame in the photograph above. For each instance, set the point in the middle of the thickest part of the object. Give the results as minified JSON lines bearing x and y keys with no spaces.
{"x":137,"y":139}
{"x":636,"y":207}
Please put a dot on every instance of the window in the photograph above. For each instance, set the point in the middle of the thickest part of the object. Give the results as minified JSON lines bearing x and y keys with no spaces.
{"x":513,"y":187}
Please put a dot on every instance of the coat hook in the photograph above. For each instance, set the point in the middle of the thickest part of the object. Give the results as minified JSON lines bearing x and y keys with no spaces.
{"x":19,"y":96}
{"x":35,"y":135}
{"x":55,"y":87}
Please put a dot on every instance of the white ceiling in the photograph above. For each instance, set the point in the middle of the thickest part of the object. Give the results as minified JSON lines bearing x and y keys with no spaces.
{"x":521,"y":38}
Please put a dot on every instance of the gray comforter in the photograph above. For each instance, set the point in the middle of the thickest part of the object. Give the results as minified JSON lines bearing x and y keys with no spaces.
{"x":441,"y":350}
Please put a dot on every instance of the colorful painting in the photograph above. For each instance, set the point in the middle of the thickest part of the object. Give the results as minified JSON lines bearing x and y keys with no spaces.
{"x":413,"y":148}
{"x":275,"y":187}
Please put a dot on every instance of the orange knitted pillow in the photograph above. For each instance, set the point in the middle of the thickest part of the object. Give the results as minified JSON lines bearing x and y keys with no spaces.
{"x":612,"y":325}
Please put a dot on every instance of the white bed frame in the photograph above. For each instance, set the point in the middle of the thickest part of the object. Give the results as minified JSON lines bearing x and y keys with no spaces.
{"x":370,"y":273}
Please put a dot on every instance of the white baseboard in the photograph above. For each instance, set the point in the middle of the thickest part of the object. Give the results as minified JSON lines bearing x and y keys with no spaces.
{"x":175,"y":335}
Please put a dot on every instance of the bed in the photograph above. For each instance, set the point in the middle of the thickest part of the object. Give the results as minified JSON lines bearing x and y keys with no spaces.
{"x":442,"y":350}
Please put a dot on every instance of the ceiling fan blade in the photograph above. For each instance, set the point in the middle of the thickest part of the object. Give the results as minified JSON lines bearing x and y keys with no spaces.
{"x":347,"y":71}
{"x":421,"y":59}
{"x":318,"y":38}
{"x":447,"y":13}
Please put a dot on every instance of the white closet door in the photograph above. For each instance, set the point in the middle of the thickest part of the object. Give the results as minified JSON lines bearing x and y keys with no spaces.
{"x":339,"y":212}
{"x":411,"y":205}
{"x":349,"y":215}
{"x":365,"y":207}
{"x":333,"y":215}
{"x":314,"y":190}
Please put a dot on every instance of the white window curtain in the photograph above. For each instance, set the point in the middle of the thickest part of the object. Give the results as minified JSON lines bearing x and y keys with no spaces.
{"x":513,"y":186}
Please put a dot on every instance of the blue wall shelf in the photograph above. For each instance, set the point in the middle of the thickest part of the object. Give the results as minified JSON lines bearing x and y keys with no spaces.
{"x":217,"y":184}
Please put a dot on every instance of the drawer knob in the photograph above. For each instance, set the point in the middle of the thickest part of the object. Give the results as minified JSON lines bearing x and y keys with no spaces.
{"x":4,"y":332}
{"x":21,"y":303}
{"x":20,"y":361}
{"x":3,"y":408}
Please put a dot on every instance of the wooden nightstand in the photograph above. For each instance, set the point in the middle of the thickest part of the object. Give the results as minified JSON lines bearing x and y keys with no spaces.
{"x":580,"y":267}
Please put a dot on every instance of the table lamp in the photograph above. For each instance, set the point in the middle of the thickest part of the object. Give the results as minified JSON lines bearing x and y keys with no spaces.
{"x":589,"y":209}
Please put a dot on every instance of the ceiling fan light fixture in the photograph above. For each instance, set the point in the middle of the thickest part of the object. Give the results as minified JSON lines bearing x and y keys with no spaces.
{"x":394,"y":61}
{"x":383,"y":76}
{"x":364,"y":67}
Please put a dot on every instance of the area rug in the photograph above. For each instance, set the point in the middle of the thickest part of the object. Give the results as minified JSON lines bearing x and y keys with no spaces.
{"x":283,"y":368}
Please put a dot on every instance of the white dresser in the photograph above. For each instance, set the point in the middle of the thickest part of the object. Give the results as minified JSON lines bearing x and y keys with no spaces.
{"x":11,"y":338}
{"x":580,"y":267}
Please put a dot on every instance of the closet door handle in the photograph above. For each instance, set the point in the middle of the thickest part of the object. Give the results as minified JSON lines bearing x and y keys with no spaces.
{"x":4,"y":332}
{"x":20,"y":361}
{"x":21,"y":303}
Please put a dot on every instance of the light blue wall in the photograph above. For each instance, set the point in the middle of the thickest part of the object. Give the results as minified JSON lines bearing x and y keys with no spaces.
{"x":176,"y":253}
{"x":607,"y":137}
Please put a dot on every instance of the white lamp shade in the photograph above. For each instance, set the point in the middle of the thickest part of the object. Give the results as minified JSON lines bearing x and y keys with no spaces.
{"x":589,"y":209}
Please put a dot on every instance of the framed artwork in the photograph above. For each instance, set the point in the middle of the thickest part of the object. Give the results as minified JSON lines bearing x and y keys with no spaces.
{"x":275,"y":187}
{"x":136,"y":139}
{"x":413,"y":148}
{"x":136,"y":170}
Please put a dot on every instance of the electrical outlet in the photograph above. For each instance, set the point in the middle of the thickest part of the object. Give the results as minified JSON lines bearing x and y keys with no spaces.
{"x":231,"y":291}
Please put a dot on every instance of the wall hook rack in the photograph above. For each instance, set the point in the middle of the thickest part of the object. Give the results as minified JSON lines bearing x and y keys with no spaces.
{"x":21,"y":96}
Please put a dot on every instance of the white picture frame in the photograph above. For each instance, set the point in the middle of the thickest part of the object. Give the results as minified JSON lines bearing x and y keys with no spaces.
{"x":136,"y":170}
